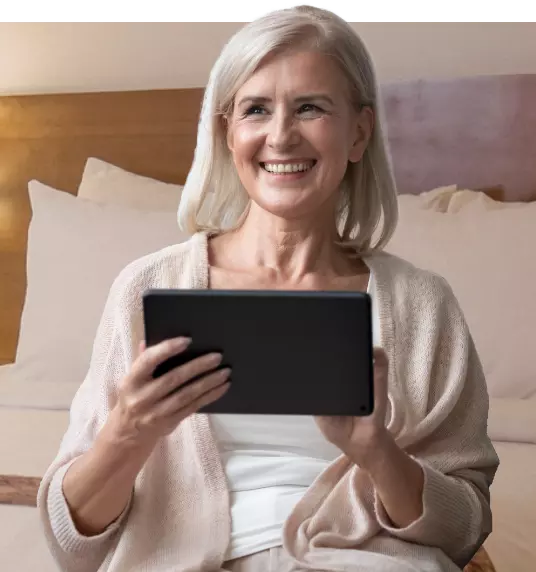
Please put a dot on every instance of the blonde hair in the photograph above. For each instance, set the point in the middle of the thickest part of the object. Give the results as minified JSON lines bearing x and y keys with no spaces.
{"x":214,"y":198}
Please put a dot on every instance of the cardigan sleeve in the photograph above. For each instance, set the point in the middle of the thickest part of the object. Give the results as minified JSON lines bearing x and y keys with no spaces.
{"x":457,"y":457}
{"x":89,"y":410}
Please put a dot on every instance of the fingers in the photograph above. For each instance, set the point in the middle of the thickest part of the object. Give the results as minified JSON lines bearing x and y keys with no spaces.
{"x":144,"y":366}
{"x":174,"y":379}
{"x":189,"y":398}
{"x":172,"y":421}
{"x":204,"y":400}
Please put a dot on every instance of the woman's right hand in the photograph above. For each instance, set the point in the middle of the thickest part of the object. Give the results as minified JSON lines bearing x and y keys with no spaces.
{"x":149,"y":408}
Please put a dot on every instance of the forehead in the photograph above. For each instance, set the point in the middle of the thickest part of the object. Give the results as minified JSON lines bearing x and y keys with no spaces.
{"x":296,"y":72}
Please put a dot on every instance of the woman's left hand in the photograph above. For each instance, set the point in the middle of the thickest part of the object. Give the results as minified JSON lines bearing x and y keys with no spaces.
{"x":362,"y":438}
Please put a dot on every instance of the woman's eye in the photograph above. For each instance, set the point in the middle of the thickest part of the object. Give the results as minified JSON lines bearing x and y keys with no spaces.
{"x":309,"y":107}
{"x":254,"y":110}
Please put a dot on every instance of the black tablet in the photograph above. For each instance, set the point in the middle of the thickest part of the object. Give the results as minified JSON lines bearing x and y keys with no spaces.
{"x":291,"y":352}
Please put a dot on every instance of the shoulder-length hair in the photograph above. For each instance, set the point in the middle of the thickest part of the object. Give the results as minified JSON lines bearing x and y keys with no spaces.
{"x":214,"y":198}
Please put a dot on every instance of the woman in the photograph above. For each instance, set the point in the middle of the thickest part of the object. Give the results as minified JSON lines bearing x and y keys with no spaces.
{"x":290,"y":189}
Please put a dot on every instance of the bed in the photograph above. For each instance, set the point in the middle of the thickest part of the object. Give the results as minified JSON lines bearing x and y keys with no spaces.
{"x":77,"y":171}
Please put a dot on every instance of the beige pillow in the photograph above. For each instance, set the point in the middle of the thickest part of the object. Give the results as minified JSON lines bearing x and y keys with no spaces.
{"x":451,"y":199}
{"x":435,"y":199}
{"x":75,"y":250}
{"x":467,"y":200}
{"x":105,"y":183}
{"x":488,"y":258}
{"x":512,"y":420}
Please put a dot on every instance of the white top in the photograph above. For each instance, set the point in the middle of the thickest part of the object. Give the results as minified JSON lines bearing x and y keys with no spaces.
{"x":270,"y":461}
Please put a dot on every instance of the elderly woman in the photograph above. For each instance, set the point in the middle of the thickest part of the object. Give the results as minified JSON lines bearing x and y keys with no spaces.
{"x":290,"y":189}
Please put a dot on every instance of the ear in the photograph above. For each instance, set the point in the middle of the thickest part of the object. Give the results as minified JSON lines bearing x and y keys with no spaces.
{"x":364,"y":126}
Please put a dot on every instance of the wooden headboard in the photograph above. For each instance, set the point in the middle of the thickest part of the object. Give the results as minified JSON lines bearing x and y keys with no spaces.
{"x":474,"y":132}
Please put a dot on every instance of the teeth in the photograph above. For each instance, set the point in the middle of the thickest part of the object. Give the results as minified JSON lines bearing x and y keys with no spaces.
{"x":287,"y":168}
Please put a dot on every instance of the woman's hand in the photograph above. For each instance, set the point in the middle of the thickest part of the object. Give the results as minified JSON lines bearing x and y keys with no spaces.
{"x":361,"y":438}
{"x":148,"y":408}
{"x":98,"y":485}
{"x":397,"y":478}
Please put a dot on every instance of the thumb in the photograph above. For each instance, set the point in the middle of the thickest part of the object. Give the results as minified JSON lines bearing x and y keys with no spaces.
{"x":381,"y":374}
{"x":142,"y":346}
{"x":380,"y":358}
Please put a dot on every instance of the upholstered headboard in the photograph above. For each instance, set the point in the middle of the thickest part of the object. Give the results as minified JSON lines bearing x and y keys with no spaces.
{"x":474,"y":132}
{"x":477,"y":132}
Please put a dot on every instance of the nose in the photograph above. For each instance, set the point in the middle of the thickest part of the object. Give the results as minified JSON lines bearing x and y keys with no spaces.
{"x":283,"y":132}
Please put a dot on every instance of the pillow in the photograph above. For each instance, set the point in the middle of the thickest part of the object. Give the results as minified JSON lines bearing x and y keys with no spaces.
{"x":103,"y":182}
{"x":452,"y":199}
{"x":435,"y":199}
{"x":487,"y":255}
{"x":76,"y":248}
{"x":468,"y":200}
{"x":512,"y":420}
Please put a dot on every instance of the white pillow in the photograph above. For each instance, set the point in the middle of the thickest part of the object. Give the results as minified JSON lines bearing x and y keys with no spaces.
{"x":76,"y":248}
{"x":103,"y":182}
{"x":487,"y":255}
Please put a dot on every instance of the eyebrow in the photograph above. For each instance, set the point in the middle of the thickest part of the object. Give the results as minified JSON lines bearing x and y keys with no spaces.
{"x":255,"y":100}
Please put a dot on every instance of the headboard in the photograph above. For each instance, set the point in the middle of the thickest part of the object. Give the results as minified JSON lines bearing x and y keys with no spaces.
{"x":477,"y":132}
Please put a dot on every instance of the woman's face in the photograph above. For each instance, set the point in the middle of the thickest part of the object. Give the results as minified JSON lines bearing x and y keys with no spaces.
{"x":292,"y":133}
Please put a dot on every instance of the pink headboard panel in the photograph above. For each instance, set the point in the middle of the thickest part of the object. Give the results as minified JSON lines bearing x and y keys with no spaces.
{"x":476,"y":132}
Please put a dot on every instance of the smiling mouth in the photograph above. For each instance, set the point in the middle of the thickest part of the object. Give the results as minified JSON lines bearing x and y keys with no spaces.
{"x":288,"y":168}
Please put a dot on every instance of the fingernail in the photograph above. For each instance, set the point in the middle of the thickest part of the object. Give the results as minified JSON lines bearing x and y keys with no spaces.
{"x":183,"y":341}
{"x":215,"y":359}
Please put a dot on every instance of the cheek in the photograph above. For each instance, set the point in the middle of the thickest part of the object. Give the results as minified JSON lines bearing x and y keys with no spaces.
{"x":246,"y":141}
{"x":329,"y":137}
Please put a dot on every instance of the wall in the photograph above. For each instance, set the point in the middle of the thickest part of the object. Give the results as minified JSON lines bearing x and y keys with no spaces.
{"x":56,"y":57}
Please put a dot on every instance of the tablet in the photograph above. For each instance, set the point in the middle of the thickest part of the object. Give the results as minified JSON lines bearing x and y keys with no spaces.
{"x":291,"y":352}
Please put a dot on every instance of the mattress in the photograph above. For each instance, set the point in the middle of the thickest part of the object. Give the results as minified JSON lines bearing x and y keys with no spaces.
{"x":15,"y":392}
{"x":29,"y":440}
{"x":30,"y":437}
{"x":512,"y":544}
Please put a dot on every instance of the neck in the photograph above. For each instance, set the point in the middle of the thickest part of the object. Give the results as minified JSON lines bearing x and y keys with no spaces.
{"x":291,"y":249}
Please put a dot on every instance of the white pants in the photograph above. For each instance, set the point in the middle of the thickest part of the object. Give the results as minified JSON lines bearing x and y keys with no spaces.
{"x":277,"y":560}
{"x":271,"y":560}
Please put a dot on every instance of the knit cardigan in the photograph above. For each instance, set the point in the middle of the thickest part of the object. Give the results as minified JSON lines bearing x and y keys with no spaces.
{"x":178,"y":518}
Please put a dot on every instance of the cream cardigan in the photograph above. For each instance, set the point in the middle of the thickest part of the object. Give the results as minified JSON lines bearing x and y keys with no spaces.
{"x":178,"y":518}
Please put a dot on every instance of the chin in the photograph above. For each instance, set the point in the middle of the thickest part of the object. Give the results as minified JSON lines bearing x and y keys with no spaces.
{"x":290,"y":207}
{"x":292,"y":211}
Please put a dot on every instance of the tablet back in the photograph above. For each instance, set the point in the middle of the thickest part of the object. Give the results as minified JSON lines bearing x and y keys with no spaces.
{"x":291,"y":352}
